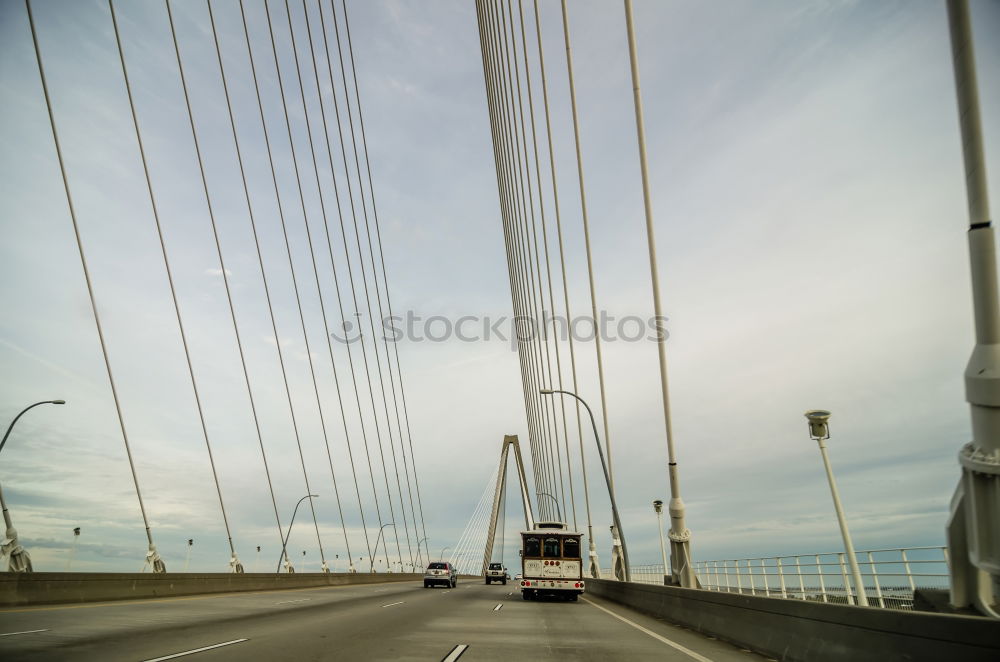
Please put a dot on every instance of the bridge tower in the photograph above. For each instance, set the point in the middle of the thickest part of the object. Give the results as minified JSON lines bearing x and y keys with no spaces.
{"x":509,"y":441}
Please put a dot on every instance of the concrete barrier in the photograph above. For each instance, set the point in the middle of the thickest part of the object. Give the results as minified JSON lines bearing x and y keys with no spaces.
{"x":21,"y":589}
{"x":798,"y":630}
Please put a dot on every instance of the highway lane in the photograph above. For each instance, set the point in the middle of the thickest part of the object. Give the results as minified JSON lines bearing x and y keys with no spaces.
{"x":372,"y":622}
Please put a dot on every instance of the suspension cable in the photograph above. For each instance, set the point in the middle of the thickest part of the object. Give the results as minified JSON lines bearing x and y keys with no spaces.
{"x":385,"y":281}
{"x":170,"y":281}
{"x":260,"y":258}
{"x":586,"y":238}
{"x":371,"y":318}
{"x":87,"y":279}
{"x":565,"y":280}
{"x":291,"y":265}
{"x":229,"y":297}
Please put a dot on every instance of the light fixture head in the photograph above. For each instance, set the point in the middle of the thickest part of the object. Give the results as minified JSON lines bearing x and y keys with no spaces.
{"x":818,"y":423}
{"x":545,"y":391}
{"x":58,"y":402}
{"x":658,"y":505}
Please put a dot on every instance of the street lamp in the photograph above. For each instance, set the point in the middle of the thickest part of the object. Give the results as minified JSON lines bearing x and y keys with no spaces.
{"x":558,"y":512}
{"x":819,"y":430}
{"x":372,"y":565}
{"x":442,"y":552}
{"x":658,"y":507}
{"x":284,"y":543}
{"x":11,"y":426}
{"x":423,"y":540}
{"x":72,"y":550}
{"x":607,"y":477}
{"x":20,"y":560}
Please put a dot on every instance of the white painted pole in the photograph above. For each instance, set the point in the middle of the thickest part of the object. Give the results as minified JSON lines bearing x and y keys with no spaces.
{"x":680,"y":535}
{"x":658,"y":507}
{"x":973,"y":536}
{"x":859,"y":584}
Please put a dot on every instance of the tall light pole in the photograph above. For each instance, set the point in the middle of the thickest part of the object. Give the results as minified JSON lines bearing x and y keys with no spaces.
{"x":424,"y":540}
{"x":11,"y":426}
{"x":375,"y":551}
{"x":284,"y":543}
{"x":72,"y":550}
{"x":819,"y":430}
{"x":607,"y":478}
{"x":558,"y":511}
{"x":20,"y":560}
{"x":442,"y":552}
{"x":658,"y":507}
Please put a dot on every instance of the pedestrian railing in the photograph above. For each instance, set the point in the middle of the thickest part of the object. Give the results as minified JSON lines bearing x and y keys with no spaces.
{"x":890,"y":576}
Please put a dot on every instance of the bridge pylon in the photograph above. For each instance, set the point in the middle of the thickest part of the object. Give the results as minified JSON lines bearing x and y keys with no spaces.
{"x":509,"y":441}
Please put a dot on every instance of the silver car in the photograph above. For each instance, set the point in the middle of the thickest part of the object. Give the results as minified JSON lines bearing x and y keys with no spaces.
{"x":440,"y":572}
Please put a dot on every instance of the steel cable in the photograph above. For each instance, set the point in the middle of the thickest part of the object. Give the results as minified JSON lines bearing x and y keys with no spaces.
{"x":87,"y":278}
{"x":586,"y":237}
{"x":170,"y":280}
{"x":385,"y":281}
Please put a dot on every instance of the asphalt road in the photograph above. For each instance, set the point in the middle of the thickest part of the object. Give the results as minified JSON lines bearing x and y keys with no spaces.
{"x":372,"y":622}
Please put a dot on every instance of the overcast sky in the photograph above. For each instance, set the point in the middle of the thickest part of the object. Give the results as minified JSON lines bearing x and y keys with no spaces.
{"x":810,"y":218}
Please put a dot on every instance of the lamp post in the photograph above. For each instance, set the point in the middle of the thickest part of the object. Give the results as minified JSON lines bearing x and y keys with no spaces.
{"x":820,"y":431}
{"x":558,"y":511}
{"x":607,"y":478}
{"x":187,"y":559}
{"x":372,"y":565}
{"x":20,"y":560}
{"x":442,"y":552}
{"x":284,"y":543}
{"x":72,"y":550}
{"x":11,"y":426}
{"x":423,"y":540}
{"x":658,"y":507}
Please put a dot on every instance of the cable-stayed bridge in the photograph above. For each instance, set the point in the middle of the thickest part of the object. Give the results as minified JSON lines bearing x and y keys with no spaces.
{"x":261,"y":152}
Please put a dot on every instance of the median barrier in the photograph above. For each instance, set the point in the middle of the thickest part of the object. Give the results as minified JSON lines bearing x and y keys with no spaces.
{"x":793,"y":630}
{"x":37,"y":588}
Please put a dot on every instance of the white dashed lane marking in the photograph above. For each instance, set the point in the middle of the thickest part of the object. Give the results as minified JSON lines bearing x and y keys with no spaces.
{"x":197,"y":650}
{"x":455,"y":653}
{"x":11,"y":634}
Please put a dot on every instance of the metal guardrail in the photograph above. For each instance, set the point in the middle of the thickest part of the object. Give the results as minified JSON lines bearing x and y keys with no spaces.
{"x":891,"y":576}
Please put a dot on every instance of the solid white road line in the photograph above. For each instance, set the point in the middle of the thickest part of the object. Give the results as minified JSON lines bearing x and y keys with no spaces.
{"x":197,"y":650}
{"x":393,"y":604}
{"x":11,"y":634}
{"x":674,"y":644}
{"x":498,"y":607}
{"x":455,"y":653}
{"x":287,"y":602}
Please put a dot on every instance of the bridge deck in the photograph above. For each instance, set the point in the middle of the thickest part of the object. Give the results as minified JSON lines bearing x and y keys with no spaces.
{"x":374,"y":622}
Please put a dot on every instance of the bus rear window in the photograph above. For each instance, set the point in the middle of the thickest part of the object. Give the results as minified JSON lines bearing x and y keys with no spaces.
{"x":532,"y":547}
{"x":551,"y":547}
{"x":571,"y":548}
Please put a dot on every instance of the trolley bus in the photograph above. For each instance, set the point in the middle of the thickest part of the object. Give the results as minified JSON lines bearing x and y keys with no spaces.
{"x":550,"y":561}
